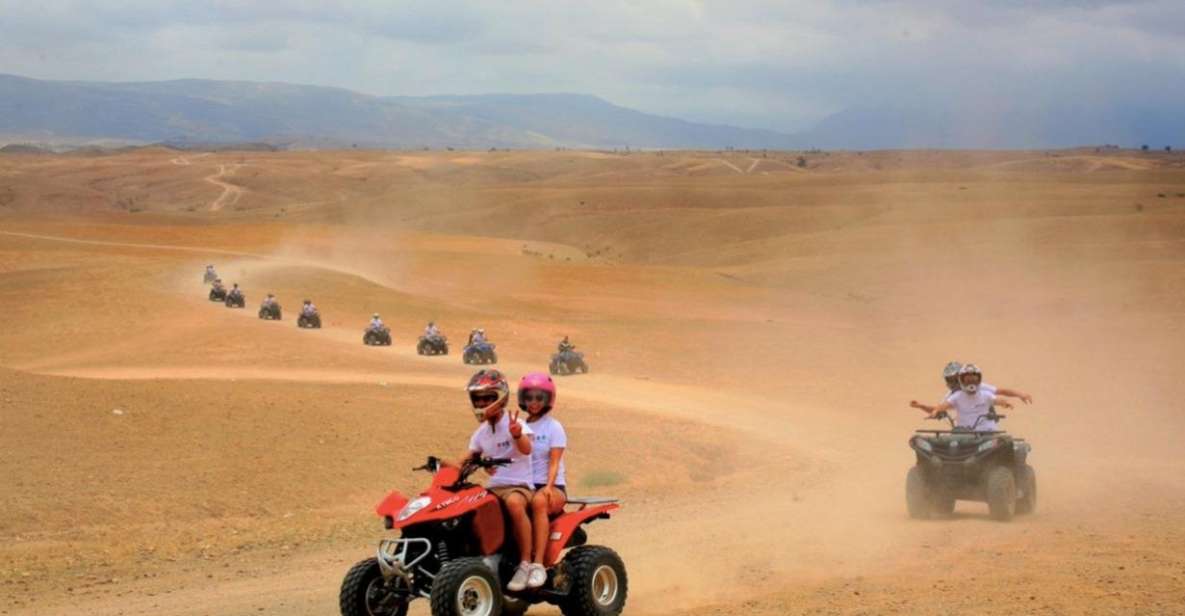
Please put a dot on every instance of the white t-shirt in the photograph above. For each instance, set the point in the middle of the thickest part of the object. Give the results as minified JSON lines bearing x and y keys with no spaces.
{"x":498,"y":444}
{"x":972,"y":406}
{"x":988,"y":387}
{"x":549,"y":434}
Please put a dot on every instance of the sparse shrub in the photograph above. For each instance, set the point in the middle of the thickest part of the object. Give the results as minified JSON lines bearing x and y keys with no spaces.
{"x":1168,"y":148}
{"x":1161,"y":195}
{"x":1144,"y":148}
{"x":602,"y":479}
{"x":1139,"y":207}
{"x":802,"y":162}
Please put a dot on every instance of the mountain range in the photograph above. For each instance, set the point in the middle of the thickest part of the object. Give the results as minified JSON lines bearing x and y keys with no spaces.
{"x":197,"y":111}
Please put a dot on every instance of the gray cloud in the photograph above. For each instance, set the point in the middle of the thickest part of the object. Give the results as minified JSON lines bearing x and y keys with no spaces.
{"x":768,"y":64}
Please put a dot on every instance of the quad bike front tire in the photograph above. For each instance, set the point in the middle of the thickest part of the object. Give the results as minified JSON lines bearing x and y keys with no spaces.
{"x":597,"y":582}
{"x":1026,"y":483}
{"x":466,"y":587}
{"x":918,"y":498}
{"x":1001,"y":493}
{"x":362,"y":592}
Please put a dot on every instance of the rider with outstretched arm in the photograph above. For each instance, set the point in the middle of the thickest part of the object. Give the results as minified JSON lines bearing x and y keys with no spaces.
{"x":971,"y":402}
{"x":950,"y":374}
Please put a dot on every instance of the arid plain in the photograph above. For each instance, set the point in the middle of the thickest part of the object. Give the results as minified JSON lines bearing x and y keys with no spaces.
{"x":755,"y":329}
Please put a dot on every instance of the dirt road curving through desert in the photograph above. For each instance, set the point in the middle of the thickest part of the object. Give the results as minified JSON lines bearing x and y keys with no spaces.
{"x":753,"y":339}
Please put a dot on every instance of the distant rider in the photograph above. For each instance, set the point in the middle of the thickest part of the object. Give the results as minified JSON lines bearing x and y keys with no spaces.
{"x":566,"y":346}
{"x":308,"y":309}
{"x":269,"y":301}
{"x":971,"y":402}
{"x":211,"y":275}
{"x":217,"y":286}
{"x":235,"y":292}
{"x":478,"y":337}
{"x":376,"y":324}
{"x":431,"y":331}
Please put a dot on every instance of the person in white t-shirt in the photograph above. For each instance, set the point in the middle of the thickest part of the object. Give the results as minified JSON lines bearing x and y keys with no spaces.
{"x":536,"y":396}
{"x":971,"y":402}
{"x":503,"y":436}
{"x":950,"y":375}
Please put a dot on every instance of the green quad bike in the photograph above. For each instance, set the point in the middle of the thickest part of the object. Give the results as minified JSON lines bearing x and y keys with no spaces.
{"x":970,"y":464}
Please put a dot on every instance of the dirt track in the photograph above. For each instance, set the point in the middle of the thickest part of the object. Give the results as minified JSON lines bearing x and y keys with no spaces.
{"x":747,"y":394}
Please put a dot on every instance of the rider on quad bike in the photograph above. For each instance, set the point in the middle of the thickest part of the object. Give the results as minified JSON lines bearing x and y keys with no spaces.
{"x":950,"y":375}
{"x":479,"y":350}
{"x":974,"y":460}
{"x":270,"y":308}
{"x":454,"y":548}
{"x":210,"y":275}
{"x":536,"y":396}
{"x":503,"y":435}
{"x":376,"y":333}
{"x":309,"y":317}
{"x":217,"y":291}
{"x":567,"y":360}
{"x":432,"y":342}
{"x":234,"y":297}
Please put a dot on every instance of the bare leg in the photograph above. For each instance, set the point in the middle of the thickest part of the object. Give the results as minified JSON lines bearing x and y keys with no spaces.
{"x":539,"y":511}
{"x":516,"y":506}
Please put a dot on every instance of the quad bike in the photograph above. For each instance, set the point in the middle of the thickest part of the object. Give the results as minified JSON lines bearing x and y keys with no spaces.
{"x":479,"y":353}
{"x":309,"y":321}
{"x":970,"y":464}
{"x":568,"y":362}
{"x":432,"y":345}
{"x":209,"y":277}
{"x":271,"y":312}
{"x":217,"y":295}
{"x":377,"y":337}
{"x":454,"y":551}
{"x":235,"y":300}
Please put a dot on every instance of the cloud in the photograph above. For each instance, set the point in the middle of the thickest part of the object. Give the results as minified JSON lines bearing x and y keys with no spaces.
{"x":769,"y":64}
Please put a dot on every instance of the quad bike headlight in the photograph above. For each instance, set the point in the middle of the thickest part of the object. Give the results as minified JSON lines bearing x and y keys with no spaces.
{"x":986,"y":445}
{"x":922,"y":444}
{"x":413,"y":508}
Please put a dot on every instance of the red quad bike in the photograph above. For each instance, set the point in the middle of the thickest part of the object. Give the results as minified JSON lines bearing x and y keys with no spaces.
{"x":454,"y":551}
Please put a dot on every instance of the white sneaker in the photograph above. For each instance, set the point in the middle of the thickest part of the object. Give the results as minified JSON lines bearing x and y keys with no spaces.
{"x":519,"y":581}
{"x":537,"y":576}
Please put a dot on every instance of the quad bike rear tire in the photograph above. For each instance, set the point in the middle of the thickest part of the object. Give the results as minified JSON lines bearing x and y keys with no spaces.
{"x":466,"y":586}
{"x":918,"y":499}
{"x":1026,"y":482}
{"x":1001,"y":493}
{"x":361,"y":590}
{"x":597,"y":582}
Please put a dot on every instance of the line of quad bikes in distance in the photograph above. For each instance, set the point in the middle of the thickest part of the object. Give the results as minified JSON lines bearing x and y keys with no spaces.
{"x":564,"y":362}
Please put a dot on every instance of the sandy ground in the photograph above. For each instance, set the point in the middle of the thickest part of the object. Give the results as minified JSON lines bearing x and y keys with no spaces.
{"x":755,"y":329}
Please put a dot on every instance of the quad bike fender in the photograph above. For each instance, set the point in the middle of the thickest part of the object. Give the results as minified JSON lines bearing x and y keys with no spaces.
{"x":391,"y":505}
{"x":563,"y":526}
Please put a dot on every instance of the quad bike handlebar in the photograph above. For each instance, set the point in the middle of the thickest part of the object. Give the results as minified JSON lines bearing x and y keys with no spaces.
{"x":989,"y":416}
{"x":468,"y":467}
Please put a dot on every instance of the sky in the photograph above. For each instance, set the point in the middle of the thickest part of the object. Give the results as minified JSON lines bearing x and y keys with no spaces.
{"x":777,"y":65}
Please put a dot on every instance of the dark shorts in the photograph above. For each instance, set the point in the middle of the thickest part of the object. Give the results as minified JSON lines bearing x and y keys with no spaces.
{"x":540,"y":486}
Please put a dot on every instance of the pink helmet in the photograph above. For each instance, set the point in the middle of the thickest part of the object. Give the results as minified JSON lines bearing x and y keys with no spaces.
{"x":538,"y":381}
